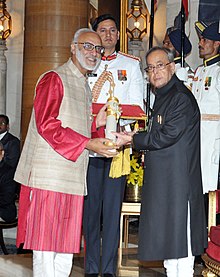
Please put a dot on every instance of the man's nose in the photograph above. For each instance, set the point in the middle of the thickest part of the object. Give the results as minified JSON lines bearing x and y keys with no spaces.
{"x":201,"y":41}
{"x":93,"y":52}
{"x":108,"y":33}
{"x":155,"y":69}
{"x":200,"y":44}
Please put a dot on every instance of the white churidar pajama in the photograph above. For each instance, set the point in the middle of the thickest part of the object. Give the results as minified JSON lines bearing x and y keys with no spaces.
{"x":51,"y":264}
{"x":183,"y":267}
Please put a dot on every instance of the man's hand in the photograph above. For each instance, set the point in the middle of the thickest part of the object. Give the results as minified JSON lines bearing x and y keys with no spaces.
{"x":123,"y":138}
{"x":101,"y":117}
{"x":2,"y":152}
{"x":100,"y":146}
{"x":182,"y":73}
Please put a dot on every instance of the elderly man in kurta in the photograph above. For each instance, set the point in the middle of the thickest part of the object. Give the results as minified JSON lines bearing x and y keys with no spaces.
{"x":53,"y":163}
{"x":172,"y":223}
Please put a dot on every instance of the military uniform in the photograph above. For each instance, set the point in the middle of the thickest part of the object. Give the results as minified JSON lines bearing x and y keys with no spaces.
{"x":206,"y":88}
{"x":127,"y":77}
{"x":105,"y":195}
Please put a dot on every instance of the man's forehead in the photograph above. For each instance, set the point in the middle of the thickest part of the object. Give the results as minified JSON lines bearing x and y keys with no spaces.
{"x":205,"y":39}
{"x":90,"y":37}
{"x":107,"y":23}
{"x":200,"y":36}
{"x":157,"y":56}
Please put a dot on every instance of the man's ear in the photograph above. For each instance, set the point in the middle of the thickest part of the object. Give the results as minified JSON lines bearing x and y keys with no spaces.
{"x":217,"y":45}
{"x":118,"y":35}
{"x":73,"y":48}
{"x":173,"y":67}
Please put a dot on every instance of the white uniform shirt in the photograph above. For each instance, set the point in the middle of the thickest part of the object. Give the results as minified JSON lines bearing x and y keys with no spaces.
{"x":206,"y":88}
{"x":128,"y":80}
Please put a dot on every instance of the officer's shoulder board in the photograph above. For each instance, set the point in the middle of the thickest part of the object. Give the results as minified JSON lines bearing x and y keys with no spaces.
{"x":129,"y":56}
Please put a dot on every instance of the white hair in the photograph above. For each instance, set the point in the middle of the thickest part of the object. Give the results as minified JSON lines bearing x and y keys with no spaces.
{"x":81,"y":31}
{"x":168,"y":52}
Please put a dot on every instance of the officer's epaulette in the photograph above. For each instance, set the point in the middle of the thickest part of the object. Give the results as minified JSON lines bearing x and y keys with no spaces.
{"x":129,"y":56}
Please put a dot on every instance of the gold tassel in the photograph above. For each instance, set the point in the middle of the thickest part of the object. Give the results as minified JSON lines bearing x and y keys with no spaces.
{"x":120,"y":164}
{"x":126,"y":161}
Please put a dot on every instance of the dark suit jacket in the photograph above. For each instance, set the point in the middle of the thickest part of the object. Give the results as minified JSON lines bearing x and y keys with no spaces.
{"x":8,"y":187}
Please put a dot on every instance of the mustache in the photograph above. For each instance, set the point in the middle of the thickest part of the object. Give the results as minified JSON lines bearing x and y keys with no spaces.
{"x":93,"y":58}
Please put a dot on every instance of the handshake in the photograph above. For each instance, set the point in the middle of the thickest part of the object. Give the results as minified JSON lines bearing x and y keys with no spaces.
{"x":107,"y":147}
{"x":123,"y":138}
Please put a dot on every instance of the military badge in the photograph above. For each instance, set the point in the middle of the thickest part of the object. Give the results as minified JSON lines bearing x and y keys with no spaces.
{"x":208,"y":82}
{"x":195,"y":78}
{"x":159,"y":119}
{"x":122,"y":75}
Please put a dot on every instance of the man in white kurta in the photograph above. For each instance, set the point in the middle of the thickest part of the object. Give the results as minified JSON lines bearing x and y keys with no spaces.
{"x":206,"y":88}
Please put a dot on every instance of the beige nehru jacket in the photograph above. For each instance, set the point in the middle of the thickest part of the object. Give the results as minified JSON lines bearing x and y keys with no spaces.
{"x":40,"y":166}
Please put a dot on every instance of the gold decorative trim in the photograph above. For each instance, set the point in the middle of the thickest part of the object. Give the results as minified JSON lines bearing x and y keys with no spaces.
{"x":212,"y":210}
{"x":123,"y":25}
{"x":212,"y":266}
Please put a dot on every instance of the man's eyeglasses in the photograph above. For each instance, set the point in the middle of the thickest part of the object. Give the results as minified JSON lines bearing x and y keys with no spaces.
{"x":3,"y":124}
{"x":159,"y":66}
{"x":89,"y":47}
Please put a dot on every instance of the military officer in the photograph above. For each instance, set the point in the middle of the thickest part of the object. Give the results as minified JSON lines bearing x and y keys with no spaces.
{"x":206,"y":88}
{"x":125,"y":69}
{"x":105,"y":194}
{"x":172,"y":41}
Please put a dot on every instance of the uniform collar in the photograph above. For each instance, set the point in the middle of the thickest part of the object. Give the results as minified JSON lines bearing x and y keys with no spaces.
{"x":212,"y":60}
{"x":109,"y":57}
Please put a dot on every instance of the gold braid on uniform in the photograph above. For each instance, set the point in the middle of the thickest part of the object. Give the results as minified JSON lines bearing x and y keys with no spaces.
{"x":96,"y":90}
{"x":120,"y":164}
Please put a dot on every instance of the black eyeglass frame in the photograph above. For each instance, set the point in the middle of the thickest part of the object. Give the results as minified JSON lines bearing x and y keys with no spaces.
{"x":159,"y":67}
{"x":98,"y":48}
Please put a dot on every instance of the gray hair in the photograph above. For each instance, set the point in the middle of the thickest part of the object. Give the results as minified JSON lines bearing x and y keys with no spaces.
{"x":168,"y":52}
{"x":79,"y":32}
